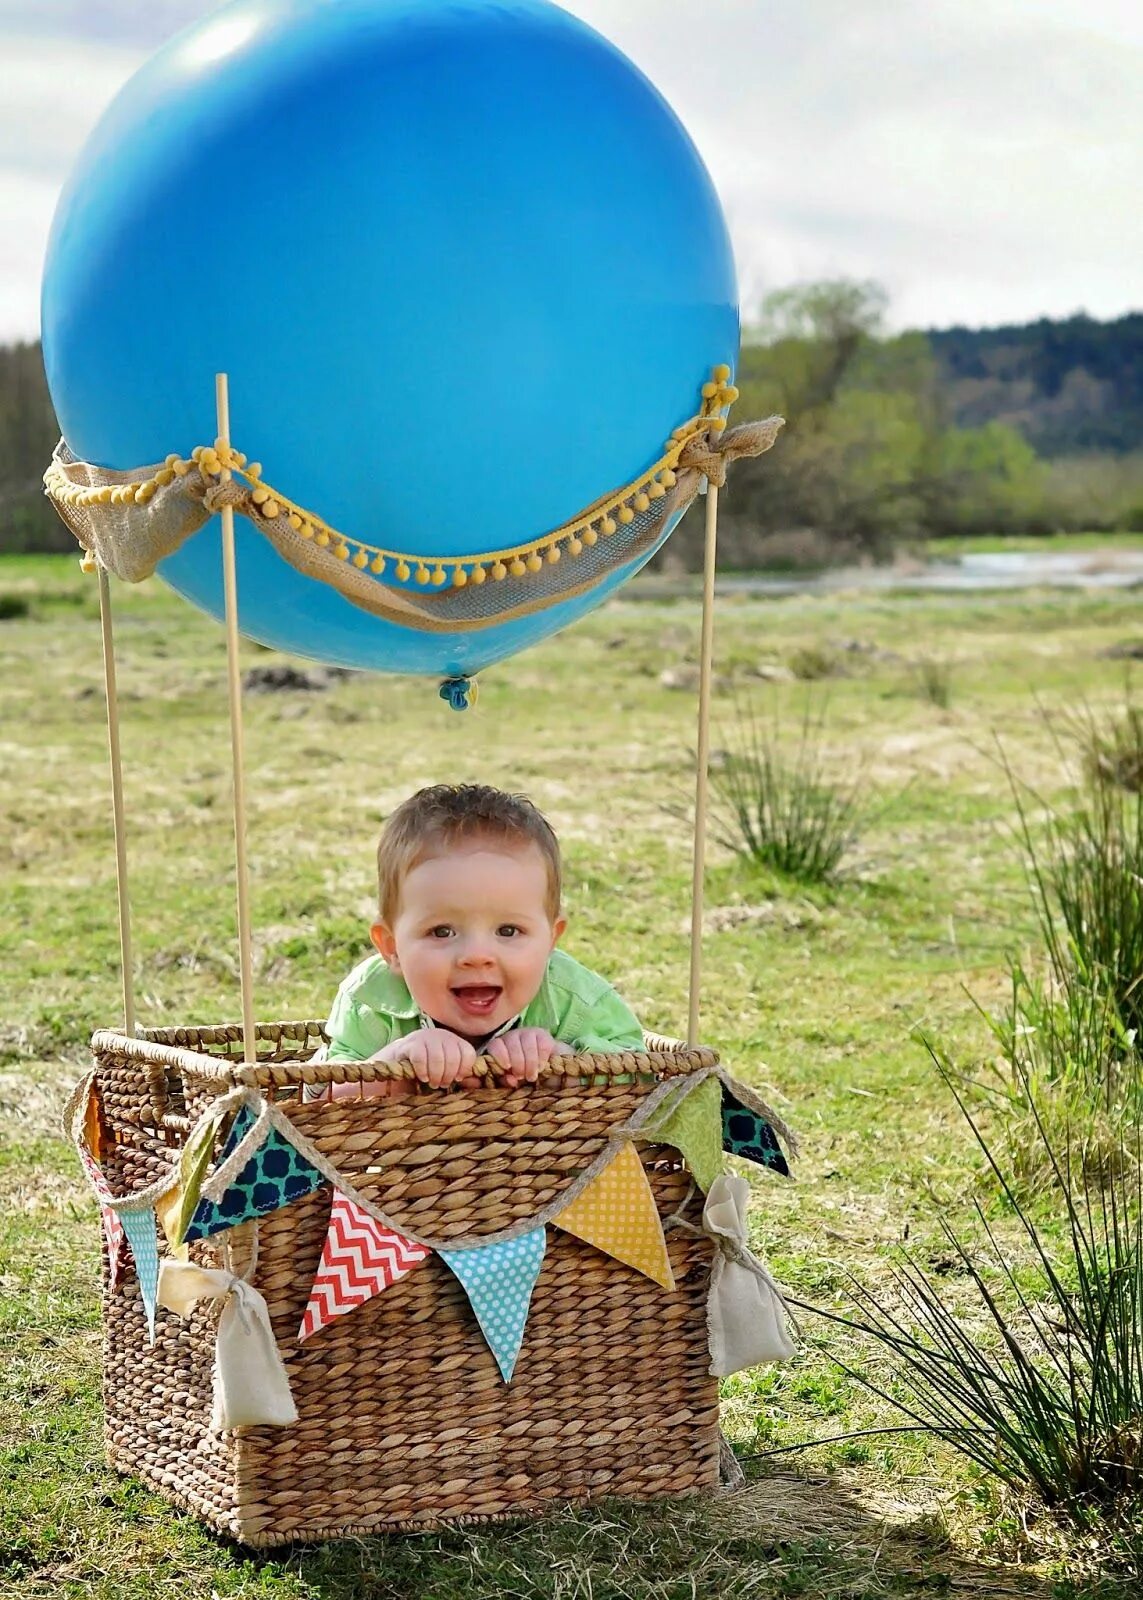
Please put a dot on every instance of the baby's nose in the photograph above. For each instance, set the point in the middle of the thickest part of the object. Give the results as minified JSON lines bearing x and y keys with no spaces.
{"x":476,"y":953}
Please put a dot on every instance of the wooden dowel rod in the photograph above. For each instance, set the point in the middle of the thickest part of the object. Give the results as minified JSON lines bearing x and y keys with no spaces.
{"x":706,"y":655}
{"x":125,"y":956}
{"x":234,"y":681}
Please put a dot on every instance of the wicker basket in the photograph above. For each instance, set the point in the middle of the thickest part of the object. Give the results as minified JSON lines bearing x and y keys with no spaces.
{"x":404,"y":1421}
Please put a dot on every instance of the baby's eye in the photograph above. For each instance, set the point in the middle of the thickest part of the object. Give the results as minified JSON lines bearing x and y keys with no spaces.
{"x":507,"y":930}
{"x":441,"y":931}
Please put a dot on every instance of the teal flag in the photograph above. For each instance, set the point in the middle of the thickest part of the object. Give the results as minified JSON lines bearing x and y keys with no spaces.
{"x":274,"y":1175}
{"x":747,"y":1133}
{"x":499,"y":1279}
{"x":139,"y":1226}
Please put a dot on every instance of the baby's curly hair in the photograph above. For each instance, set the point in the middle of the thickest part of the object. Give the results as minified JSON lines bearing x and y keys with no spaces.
{"x":435,"y":819}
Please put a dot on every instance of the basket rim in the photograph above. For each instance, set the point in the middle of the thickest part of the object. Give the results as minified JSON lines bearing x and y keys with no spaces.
{"x":662,"y":1056}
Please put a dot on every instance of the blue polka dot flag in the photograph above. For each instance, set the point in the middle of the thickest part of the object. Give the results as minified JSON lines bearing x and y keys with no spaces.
{"x":499,"y":1279}
{"x":274,"y":1175}
{"x":746,"y":1133}
{"x":139,"y":1226}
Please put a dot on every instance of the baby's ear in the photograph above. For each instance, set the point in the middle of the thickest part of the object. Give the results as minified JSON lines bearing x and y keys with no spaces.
{"x":385,"y":944}
{"x":559,"y":927}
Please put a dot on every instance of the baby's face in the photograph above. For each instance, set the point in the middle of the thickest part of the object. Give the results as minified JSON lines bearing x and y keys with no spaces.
{"x":473,"y":934}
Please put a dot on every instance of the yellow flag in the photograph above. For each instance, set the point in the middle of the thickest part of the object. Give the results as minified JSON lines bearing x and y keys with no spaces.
{"x":617,"y":1214}
{"x":176,"y":1207}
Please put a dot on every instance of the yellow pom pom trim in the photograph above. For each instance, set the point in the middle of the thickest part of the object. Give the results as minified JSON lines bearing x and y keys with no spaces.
{"x":604,"y":517}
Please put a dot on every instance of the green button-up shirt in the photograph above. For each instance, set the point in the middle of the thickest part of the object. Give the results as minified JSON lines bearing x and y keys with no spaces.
{"x":373,"y":1007}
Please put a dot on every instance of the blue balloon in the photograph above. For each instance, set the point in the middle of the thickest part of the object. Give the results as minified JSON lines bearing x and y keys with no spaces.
{"x":462,"y":263}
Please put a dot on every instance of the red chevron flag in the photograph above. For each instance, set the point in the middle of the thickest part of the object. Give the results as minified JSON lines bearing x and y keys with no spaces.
{"x":360,"y":1259}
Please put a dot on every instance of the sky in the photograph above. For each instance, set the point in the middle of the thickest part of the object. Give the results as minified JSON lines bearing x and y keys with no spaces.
{"x":981,"y":159}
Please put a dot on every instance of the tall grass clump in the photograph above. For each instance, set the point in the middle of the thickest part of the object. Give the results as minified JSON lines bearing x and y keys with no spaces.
{"x":934,"y":682}
{"x":778,"y":807}
{"x":1076,"y":1019}
{"x":1036,"y":1371}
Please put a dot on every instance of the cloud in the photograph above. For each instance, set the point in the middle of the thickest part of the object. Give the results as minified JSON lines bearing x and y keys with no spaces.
{"x":979,"y":160}
{"x":51,"y":93}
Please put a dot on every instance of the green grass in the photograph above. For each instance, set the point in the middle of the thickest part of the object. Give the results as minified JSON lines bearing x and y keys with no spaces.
{"x":814,"y":996}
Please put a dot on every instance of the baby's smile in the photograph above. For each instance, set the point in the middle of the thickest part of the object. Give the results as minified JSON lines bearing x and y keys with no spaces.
{"x":477,"y":999}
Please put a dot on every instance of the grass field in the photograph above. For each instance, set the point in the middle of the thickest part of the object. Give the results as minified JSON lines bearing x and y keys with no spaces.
{"x":816,"y":998}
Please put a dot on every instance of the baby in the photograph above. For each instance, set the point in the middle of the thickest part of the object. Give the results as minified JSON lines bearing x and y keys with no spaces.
{"x":466,"y":963}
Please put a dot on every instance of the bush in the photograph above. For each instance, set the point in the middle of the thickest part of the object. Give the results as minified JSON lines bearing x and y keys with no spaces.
{"x":1049,"y":1397}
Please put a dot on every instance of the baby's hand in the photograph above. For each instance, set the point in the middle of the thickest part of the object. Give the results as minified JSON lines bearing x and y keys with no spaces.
{"x":524,"y":1051}
{"x":437,"y":1057}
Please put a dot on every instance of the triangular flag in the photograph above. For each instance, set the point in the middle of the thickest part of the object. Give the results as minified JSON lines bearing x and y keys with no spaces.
{"x":747,"y":1133}
{"x":499,"y":1279}
{"x":617,"y":1214}
{"x":93,"y":1124}
{"x":176,"y":1207}
{"x":139,"y":1226}
{"x":274,"y":1175}
{"x":694,"y":1126}
{"x":360,"y":1258}
{"x":109,"y":1218}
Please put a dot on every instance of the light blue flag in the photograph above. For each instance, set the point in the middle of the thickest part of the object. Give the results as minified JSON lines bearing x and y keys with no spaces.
{"x":139,"y":1226}
{"x":499,"y":1279}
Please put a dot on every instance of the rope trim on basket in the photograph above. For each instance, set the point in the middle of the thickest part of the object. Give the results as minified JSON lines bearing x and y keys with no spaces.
{"x":663,"y":1099}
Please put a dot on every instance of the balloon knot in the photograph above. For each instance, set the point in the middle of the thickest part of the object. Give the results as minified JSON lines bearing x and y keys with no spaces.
{"x":459,"y":692}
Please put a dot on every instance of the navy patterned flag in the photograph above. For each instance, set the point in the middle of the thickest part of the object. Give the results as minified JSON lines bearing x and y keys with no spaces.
{"x":747,"y":1134}
{"x":274,"y":1175}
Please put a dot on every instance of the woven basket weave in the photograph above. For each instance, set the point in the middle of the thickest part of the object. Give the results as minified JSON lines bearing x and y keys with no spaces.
{"x":404,"y":1421}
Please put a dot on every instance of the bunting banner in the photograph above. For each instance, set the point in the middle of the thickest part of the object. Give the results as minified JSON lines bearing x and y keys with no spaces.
{"x":748,"y":1134}
{"x":109,"y":1218}
{"x":139,"y":1226}
{"x":274,"y":1175}
{"x":359,"y":1259}
{"x":692,"y":1123}
{"x":267,"y":1162}
{"x":617,"y":1214}
{"x":498,"y":1280}
{"x":178,"y":1205}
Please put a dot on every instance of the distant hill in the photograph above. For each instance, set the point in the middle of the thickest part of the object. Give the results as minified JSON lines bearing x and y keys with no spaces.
{"x":1069,"y":387}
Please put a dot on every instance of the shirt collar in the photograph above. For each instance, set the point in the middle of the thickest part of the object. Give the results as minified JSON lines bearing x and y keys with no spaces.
{"x":505,"y":1027}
